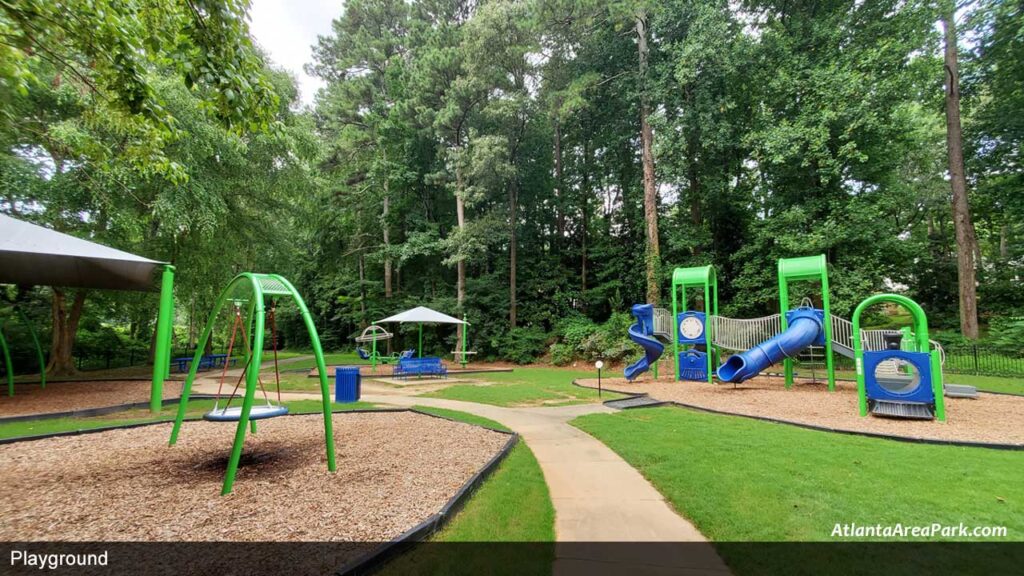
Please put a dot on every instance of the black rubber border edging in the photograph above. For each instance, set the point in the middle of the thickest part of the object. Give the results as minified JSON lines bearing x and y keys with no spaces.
{"x":102,"y":411}
{"x":908,"y":439}
{"x":377,"y":558}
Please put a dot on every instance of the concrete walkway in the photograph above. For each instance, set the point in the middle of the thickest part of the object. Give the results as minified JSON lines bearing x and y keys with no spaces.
{"x":597,"y":496}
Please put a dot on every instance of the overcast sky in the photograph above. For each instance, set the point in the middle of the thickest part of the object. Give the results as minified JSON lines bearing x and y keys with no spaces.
{"x":287,"y":30}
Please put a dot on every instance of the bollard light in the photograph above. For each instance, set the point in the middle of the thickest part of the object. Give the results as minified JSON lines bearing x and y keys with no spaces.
{"x":599,"y":364}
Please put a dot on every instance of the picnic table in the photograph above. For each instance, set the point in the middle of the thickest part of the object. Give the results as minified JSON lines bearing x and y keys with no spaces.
{"x":206,"y":362}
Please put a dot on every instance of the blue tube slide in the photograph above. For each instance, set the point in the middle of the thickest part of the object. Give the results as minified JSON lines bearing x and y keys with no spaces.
{"x":652,"y":351}
{"x":641,"y":333}
{"x":805,"y":329}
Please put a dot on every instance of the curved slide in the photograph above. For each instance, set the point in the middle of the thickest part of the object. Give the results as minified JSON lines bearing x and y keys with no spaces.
{"x":804,"y":329}
{"x":652,"y":351}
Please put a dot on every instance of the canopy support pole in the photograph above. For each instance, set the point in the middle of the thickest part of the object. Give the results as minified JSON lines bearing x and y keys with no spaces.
{"x":35,"y":341}
{"x":419,"y":349}
{"x":164,"y":325}
{"x":7,"y":362}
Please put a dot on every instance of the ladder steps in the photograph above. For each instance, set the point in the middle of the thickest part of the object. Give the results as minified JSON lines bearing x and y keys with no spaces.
{"x":891,"y":409}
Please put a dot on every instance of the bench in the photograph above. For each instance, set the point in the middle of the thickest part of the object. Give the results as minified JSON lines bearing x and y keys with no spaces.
{"x":427,"y":366}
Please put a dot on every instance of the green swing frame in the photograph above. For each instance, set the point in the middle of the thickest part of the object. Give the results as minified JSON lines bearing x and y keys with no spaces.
{"x":257,"y":287}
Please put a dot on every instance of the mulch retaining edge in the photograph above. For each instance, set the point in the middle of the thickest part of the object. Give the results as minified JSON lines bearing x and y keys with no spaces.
{"x":102,"y":411}
{"x":910,"y":439}
{"x":375,"y":560}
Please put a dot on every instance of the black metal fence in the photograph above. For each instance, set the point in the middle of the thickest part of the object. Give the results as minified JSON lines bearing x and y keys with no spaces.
{"x":979,"y":360}
{"x":86,"y":360}
{"x":984,"y":360}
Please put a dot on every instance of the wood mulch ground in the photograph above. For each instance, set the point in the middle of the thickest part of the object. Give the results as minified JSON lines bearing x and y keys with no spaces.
{"x":991,"y":418}
{"x":79,"y":395}
{"x":394,"y":471}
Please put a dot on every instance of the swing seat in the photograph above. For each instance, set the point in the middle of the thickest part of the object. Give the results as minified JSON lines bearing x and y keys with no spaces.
{"x":234,"y":414}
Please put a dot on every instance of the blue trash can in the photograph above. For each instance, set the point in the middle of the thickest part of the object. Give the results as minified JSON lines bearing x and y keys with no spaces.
{"x":347,"y":384}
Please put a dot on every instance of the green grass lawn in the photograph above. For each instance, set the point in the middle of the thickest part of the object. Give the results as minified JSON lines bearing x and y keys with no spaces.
{"x":301,"y":382}
{"x":742,"y":480}
{"x":330,"y":358}
{"x":196,"y":409}
{"x":526,"y":387}
{"x":512,"y":506}
{"x":1008,"y":385}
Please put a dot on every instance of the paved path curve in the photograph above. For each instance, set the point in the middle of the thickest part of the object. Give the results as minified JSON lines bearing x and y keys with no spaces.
{"x":597,"y":496}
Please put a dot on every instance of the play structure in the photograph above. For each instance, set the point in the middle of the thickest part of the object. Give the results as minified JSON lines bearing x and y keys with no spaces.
{"x":904,"y":378}
{"x":782,"y":336}
{"x":691,"y":343}
{"x":899,"y":372}
{"x":251,"y":290}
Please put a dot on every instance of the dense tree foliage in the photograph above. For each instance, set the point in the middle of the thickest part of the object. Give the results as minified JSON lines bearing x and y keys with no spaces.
{"x":510,"y":160}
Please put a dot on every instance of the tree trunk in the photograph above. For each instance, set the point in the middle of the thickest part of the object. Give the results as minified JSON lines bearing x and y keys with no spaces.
{"x":586,"y":216}
{"x":650,"y":187}
{"x":65,"y":326}
{"x":696,"y":215}
{"x":387,"y":242}
{"x":513,"y":210}
{"x":559,"y":208}
{"x":1004,"y":242}
{"x":965,"y":237}
{"x":362,"y":290}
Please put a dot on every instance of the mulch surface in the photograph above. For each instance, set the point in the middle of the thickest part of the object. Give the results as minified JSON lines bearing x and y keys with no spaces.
{"x":394,"y":471}
{"x":79,"y":395}
{"x":991,"y":418}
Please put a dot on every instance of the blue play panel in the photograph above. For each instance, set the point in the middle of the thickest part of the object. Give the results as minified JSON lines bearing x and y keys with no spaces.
{"x":915,"y":387}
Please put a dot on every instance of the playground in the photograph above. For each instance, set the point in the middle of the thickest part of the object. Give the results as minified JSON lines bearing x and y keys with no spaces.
{"x":371,"y":445}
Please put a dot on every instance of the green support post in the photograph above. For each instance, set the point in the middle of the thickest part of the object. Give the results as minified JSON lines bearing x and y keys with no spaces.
{"x":807,"y":268}
{"x":164,"y":326}
{"x":35,"y":342}
{"x":938,"y":388}
{"x":249,"y":320}
{"x":419,"y":350}
{"x":251,"y":382}
{"x":465,"y":331}
{"x":675,"y":330}
{"x":7,"y":362}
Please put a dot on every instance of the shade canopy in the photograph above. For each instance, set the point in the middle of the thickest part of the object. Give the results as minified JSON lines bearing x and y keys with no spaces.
{"x":422,"y":315}
{"x":37,"y":256}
